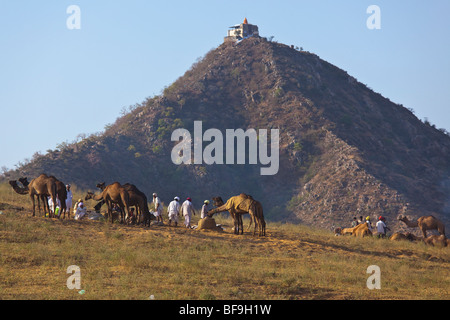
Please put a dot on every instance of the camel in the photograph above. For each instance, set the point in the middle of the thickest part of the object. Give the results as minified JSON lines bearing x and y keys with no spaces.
{"x":137,"y":199}
{"x":361,"y":230}
{"x":436,"y":240}
{"x":113,"y":193}
{"x":239,"y":205}
{"x":425,"y":223}
{"x":61,"y":192}
{"x":41,"y":187}
{"x":404,"y":236}
{"x":218,"y":202}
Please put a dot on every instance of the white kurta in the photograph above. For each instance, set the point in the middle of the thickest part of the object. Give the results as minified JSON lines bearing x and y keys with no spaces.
{"x":381,"y":227}
{"x":174,"y":210}
{"x":51,"y":204}
{"x":69,"y":199}
{"x":187,"y":209}
{"x":158,"y":206}
{"x":80,"y":213}
{"x":204,"y":211}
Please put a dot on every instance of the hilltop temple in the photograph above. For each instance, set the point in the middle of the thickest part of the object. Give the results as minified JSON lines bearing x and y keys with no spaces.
{"x":242,"y":31}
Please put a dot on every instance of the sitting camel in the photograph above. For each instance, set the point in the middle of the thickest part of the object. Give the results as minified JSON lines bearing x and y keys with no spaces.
{"x":425,"y":223}
{"x":239,"y":205}
{"x":404,"y":236}
{"x":113,"y":193}
{"x":361,"y":230}
{"x":435,"y":240}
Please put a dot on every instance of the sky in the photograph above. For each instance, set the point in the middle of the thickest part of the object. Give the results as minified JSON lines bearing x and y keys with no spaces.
{"x":58,"y":82}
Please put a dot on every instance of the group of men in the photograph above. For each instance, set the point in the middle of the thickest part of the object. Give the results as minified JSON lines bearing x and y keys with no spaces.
{"x":380,"y":225}
{"x":56,"y":208}
{"x":174,"y":210}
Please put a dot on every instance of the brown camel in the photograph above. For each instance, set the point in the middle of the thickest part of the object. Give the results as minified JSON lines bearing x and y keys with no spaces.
{"x":239,"y":205}
{"x":114,"y":193}
{"x":404,"y":236}
{"x":61,"y":193}
{"x":361,"y":230}
{"x":137,"y":199}
{"x":218,"y":202}
{"x":425,"y":223}
{"x":26,"y":191}
{"x":437,"y":241}
{"x":41,"y":187}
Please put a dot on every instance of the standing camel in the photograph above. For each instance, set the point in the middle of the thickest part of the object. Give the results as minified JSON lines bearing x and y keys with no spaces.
{"x":425,"y":223}
{"x":137,"y":199}
{"x":114,"y":193}
{"x":41,"y":187}
{"x":61,"y":192}
{"x":239,"y":205}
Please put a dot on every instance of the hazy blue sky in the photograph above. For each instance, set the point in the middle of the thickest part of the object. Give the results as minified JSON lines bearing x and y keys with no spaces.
{"x":56,"y":83}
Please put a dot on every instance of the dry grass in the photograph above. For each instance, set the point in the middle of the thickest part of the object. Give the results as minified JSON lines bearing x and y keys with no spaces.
{"x":120,"y":262}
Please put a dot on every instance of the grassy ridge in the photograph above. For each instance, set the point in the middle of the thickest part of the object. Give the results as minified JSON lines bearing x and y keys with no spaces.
{"x":292,"y":262}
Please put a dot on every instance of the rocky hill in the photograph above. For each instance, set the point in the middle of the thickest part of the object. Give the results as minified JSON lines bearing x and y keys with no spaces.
{"x":344,"y":149}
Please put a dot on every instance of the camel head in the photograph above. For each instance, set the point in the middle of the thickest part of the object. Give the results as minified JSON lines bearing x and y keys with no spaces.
{"x":89,"y":195}
{"x":17,"y":189}
{"x":101,"y":185}
{"x":401,"y":217}
{"x":412,"y":237}
{"x":24,"y":181}
{"x":217,"y":201}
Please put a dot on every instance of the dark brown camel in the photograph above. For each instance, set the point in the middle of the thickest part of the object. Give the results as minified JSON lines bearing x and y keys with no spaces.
{"x":61,"y":192}
{"x":26,"y":191}
{"x":238,"y":206}
{"x":41,"y":187}
{"x":137,"y":199}
{"x":114,"y":193}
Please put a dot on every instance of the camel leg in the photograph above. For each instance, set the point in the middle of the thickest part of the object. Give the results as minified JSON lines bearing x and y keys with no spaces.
{"x":39,"y":205}
{"x":424,"y":231}
{"x":44,"y":204}
{"x":45,"y":201}
{"x":252,"y":214}
{"x":240,"y":224}
{"x":39,"y":198}
{"x":32,"y":200}
{"x":235,"y":222}
{"x":63,"y":209}
{"x":109,"y":206}
{"x":262,"y":222}
{"x":138,"y":214}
